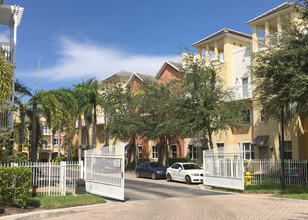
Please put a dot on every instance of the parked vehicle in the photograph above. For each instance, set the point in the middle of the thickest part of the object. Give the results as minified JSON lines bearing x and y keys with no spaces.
{"x":185,"y":172}
{"x":151,"y":169}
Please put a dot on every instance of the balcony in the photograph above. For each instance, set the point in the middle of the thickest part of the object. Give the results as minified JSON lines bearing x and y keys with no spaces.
{"x":272,"y":41}
{"x":46,"y":131}
{"x":7,"y":51}
{"x":242,"y":91}
{"x":6,"y":121}
{"x":83,"y":123}
{"x":47,"y":147}
{"x":101,"y":118}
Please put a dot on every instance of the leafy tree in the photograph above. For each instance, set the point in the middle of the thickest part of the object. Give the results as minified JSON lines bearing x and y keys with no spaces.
{"x":6,"y":81}
{"x":159,"y":113}
{"x":207,"y":106}
{"x":280,"y":73}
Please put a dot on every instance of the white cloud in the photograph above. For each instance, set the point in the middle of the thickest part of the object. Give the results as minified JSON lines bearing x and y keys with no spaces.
{"x":79,"y":60}
{"x":5,"y":36}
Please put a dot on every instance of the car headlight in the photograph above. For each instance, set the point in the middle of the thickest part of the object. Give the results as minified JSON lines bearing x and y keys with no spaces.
{"x":195,"y":174}
{"x":159,"y":171}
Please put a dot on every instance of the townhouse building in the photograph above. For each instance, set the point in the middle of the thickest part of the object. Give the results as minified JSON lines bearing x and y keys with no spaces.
{"x":256,"y":138}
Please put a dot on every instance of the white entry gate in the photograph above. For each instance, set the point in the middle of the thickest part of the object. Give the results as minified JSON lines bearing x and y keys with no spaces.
{"x":223,"y":170}
{"x":104,"y":171}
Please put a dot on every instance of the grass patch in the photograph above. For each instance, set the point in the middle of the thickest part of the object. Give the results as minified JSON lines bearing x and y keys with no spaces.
{"x":291,"y":192}
{"x":55,"y":202}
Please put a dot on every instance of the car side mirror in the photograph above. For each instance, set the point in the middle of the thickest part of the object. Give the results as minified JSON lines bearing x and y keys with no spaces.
{"x":180,"y":168}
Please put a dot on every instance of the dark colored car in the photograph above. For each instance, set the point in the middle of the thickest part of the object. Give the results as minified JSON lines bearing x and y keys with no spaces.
{"x":151,"y":169}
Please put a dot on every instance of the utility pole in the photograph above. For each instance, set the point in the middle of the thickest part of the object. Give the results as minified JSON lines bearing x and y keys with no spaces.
{"x":283,"y":182}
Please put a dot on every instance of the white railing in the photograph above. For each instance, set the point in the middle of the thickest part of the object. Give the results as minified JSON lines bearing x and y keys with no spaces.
{"x":7,"y":51}
{"x":53,"y":179}
{"x":242,"y":92}
{"x":269,"y":171}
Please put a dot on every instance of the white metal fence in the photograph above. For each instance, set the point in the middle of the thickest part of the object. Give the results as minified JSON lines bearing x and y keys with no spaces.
{"x":269,"y":171}
{"x":53,"y":178}
{"x":223,"y":170}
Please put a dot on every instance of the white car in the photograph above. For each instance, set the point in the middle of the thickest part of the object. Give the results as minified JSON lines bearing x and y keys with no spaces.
{"x":185,"y":172}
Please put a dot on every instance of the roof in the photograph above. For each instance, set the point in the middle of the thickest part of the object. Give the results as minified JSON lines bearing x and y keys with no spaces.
{"x":122,"y":74}
{"x":259,"y":140}
{"x":176,"y":65}
{"x":7,"y":14}
{"x":283,"y":7}
{"x":147,"y":78}
{"x":221,"y":33}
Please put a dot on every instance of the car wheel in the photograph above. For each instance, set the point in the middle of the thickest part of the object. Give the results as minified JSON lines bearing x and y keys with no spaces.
{"x":169,"y":178}
{"x":153,"y":176}
{"x":138,"y":175}
{"x":188,"y":179}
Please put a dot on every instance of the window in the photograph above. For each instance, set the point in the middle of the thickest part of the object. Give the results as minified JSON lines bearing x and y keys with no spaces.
{"x":246,"y":117}
{"x":154,"y":152}
{"x":287,"y":153}
{"x":55,"y":141}
{"x":176,"y":166}
{"x":140,"y":151}
{"x":193,"y":152}
{"x":262,"y":116}
{"x":174,"y":153}
{"x":248,"y":151}
{"x":245,"y":87}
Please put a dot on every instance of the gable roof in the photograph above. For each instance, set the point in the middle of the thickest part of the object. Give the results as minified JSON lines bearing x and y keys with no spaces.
{"x":221,"y":33}
{"x":175,"y":65}
{"x":147,"y":78}
{"x":122,"y":74}
{"x":283,"y":7}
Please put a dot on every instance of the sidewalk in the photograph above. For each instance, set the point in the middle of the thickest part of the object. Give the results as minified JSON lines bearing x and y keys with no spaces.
{"x":206,"y":207}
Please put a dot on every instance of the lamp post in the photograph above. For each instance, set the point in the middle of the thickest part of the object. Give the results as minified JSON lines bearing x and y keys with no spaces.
{"x":283,"y":183}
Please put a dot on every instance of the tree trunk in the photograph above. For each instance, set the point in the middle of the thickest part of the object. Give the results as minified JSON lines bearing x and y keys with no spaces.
{"x":21,"y":129}
{"x":33,"y":137}
{"x":94,"y":128}
{"x":136,"y":152}
{"x":168,"y":152}
{"x":59,"y":143}
{"x":79,"y":139}
{"x":68,"y":150}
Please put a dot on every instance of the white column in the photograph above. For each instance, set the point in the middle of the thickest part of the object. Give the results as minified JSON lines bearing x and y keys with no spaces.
{"x":199,"y":53}
{"x":216,"y":51}
{"x":207,"y":55}
{"x":266,"y":30}
{"x":255,"y":36}
{"x":279,"y":28}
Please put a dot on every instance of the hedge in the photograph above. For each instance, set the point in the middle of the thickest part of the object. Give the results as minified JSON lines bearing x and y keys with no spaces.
{"x":14,"y":185}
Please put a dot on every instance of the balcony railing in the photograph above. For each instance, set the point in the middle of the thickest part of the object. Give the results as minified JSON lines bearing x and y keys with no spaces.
{"x":6,"y":120}
{"x":272,"y":40}
{"x":242,"y":91}
{"x":47,"y":146}
{"x":7,"y":51}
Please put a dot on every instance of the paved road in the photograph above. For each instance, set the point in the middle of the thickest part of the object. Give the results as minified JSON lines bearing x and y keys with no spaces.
{"x":148,"y":189}
{"x":189,"y":203}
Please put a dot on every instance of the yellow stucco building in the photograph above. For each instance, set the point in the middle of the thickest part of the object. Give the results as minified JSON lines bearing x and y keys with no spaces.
{"x":255,"y":138}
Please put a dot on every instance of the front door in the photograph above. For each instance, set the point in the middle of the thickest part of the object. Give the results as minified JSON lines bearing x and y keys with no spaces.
{"x":264,"y":152}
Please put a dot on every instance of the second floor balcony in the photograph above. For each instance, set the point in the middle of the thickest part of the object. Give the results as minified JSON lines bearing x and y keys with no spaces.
{"x":7,"y":51}
{"x":242,"y":91}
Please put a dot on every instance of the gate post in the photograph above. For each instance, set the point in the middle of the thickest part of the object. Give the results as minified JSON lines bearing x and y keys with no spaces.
{"x":63,"y":178}
{"x":81,"y":168}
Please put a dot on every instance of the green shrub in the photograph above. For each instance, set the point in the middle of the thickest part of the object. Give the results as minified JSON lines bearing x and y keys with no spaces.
{"x":14,"y":185}
{"x":130,"y":166}
{"x":59,"y":159}
{"x":173,"y":160}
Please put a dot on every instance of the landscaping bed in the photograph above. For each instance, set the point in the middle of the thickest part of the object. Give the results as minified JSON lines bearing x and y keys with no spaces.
{"x":52,"y":202}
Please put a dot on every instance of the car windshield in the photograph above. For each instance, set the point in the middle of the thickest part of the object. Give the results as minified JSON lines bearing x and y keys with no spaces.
{"x":191,"y":166}
{"x":157,"y":165}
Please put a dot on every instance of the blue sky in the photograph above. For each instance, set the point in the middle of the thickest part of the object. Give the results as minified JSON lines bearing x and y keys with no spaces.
{"x":82,"y":39}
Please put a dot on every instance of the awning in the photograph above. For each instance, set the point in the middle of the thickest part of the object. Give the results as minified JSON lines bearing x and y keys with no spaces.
{"x":129,"y":145}
{"x":259,"y":140}
{"x":200,"y":142}
{"x":161,"y":143}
